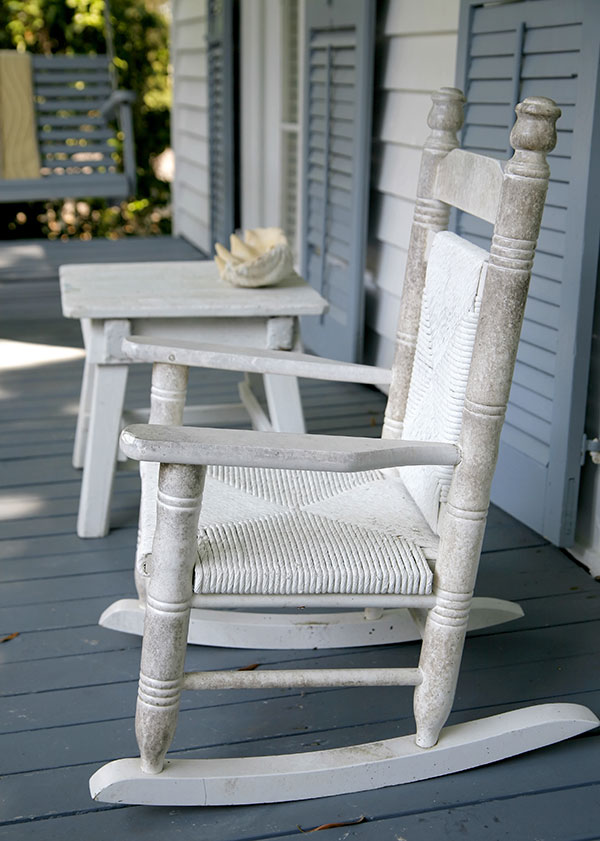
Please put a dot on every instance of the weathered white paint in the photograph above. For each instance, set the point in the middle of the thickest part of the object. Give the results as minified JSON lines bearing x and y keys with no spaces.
{"x":253,"y":360}
{"x":236,"y":629}
{"x":273,"y":779}
{"x":248,"y":448}
{"x":176,"y":290}
{"x":176,"y":300}
{"x":189,"y":134}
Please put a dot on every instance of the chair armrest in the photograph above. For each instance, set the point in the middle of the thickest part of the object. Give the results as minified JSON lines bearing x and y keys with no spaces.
{"x":247,"y":448}
{"x":253,"y":360}
{"x":113,"y":102}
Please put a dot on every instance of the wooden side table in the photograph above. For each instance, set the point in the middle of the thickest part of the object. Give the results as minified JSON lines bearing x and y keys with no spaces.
{"x":177,"y":300}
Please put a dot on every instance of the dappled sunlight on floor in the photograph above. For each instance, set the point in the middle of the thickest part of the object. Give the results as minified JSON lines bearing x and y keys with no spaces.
{"x":18,"y":506}
{"x":17,"y":355}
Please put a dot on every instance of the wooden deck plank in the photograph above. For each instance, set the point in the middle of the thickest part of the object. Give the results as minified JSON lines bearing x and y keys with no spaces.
{"x":64,"y":706}
{"x":230,"y":725}
{"x":57,"y":671}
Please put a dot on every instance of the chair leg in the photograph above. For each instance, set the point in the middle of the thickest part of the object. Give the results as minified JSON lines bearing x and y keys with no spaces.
{"x":167,"y":612}
{"x":167,"y":403}
{"x":441,"y":653}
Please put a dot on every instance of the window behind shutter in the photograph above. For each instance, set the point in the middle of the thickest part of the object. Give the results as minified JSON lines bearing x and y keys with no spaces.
{"x":221,"y":92}
{"x":507,"y":52}
{"x":339,"y":36}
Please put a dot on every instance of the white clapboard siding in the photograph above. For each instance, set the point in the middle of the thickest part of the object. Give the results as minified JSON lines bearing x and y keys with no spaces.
{"x":507,"y":52}
{"x":415,"y":55}
{"x":191,"y":210}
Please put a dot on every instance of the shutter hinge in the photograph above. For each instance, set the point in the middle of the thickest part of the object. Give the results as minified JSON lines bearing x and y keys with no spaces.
{"x":591,"y":446}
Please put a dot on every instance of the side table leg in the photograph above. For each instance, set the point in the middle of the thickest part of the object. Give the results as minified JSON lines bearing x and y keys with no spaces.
{"x":283,"y":400}
{"x":101,"y":451}
{"x":83,"y":416}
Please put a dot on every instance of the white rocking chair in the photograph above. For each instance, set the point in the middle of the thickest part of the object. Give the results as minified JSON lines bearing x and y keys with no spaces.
{"x":372,"y":625}
{"x":328,"y":520}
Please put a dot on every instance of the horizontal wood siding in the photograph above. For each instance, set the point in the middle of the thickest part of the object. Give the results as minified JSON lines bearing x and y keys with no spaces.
{"x":415,"y":54}
{"x":190,"y":122}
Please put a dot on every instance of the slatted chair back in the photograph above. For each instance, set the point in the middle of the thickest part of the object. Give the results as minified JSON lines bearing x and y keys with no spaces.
{"x":78,"y":117}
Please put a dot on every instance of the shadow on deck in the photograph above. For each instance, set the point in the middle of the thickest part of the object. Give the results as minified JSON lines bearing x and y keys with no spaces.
{"x":69,"y":686}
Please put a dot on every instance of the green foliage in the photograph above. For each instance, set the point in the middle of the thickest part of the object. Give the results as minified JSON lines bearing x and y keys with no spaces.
{"x":141,"y":49}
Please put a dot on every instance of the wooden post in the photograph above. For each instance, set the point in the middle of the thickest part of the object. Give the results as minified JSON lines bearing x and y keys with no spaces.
{"x":431,"y":216}
{"x":167,"y":611}
{"x":463,"y":519}
{"x":167,"y":402}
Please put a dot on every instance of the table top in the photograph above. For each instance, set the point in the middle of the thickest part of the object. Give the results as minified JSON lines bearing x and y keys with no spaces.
{"x":176,"y":290}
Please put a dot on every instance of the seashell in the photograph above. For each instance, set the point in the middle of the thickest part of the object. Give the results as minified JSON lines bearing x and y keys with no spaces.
{"x":262,"y":258}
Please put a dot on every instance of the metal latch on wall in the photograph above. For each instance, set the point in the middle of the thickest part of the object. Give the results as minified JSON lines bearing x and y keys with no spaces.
{"x":591,"y":446}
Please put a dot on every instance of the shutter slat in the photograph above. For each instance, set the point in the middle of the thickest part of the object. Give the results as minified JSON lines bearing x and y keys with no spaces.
{"x":536,"y":405}
{"x":552,"y":39}
{"x":221,"y":120}
{"x":525,"y":444}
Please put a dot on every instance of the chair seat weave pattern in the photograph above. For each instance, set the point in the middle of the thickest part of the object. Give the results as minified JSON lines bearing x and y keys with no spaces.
{"x":286,"y":532}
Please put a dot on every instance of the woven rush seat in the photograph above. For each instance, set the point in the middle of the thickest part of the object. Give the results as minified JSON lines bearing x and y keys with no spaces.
{"x":300,"y":532}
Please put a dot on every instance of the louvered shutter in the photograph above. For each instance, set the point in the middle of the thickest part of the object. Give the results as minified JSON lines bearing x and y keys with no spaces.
{"x":507,"y":52}
{"x":289,"y":125}
{"x":221,"y":132}
{"x":339,"y":36}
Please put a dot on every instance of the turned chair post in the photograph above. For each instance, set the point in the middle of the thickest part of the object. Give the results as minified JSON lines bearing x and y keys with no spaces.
{"x":463,"y":517}
{"x":445,"y":120}
{"x":168,"y":606}
{"x":167,"y":402}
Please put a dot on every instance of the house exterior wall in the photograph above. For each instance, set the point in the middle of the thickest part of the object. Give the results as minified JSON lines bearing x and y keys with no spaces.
{"x":415,"y":54}
{"x":191,"y":211}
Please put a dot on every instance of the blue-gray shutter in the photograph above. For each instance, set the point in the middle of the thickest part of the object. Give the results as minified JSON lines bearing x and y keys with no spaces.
{"x":507,"y":52}
{"x":338,"y":89}
{"x":221,"y":135}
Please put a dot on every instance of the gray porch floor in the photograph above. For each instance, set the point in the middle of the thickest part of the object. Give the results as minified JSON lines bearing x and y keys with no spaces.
{"x":69,"y":686}
{"x":29,"y":268}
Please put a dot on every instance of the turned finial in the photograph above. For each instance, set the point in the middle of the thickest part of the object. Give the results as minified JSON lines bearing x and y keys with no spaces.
{"x":534,"y":133}
{"x":445,"y":118}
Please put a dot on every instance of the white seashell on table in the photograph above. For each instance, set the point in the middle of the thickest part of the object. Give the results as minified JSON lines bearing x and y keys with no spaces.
{"x":262,"y":258}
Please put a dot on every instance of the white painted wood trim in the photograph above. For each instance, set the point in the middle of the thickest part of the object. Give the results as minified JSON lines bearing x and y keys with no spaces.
{"x":237,"y":629}
{"x":254,"y":360}
{"x":470,"y":182}
{"x":275,"y":779}
{"x":300,"y":678}
{"x":247,"y":448}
